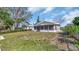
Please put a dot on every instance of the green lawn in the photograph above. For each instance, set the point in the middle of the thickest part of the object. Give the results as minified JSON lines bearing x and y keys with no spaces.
{"x":27,"y":41}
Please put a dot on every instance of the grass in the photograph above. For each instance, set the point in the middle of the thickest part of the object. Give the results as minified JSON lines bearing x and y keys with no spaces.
{"x":27,"y":41}
{"x":77,"y":43}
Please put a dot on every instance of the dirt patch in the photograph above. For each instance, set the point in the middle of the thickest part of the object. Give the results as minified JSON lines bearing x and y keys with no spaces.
{"x":65,"y":44}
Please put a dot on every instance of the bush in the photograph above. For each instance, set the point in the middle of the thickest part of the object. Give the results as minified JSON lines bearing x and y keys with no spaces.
{"x":19,"y":29}
{"x":72,"y":29}
{"x":11,"y":31}
{"x":76,"y":21}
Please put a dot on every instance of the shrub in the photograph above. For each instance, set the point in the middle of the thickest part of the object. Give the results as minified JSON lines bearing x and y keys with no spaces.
{"x":19,"y":29}
{"x":11,"y":31}
{"x":76,"y":21}
{"x":72,"y":29}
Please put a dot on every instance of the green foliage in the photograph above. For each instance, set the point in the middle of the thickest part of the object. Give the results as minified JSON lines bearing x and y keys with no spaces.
{"x":9,"y":16}
{"x":5,"y":17}
{"x":71,"y":29}
{"x":74,"y":28}
{"x":76,"y":21}
{"x":19,"y":29}
{"x":77,"y":43}
{"x":19,"y":20}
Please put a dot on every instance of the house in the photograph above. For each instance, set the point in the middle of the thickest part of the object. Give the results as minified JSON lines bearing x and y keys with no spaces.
{"x":26,"y":26}
{"x":42,"y":26}
{"x":45,"y":26}
{"x":23,"y":25}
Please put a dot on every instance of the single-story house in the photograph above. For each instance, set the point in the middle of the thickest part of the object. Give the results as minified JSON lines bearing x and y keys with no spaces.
{"x":23,"y":25}
{"x":26,"y":25}
{"x":42,"y":26}
{"x":45,"y":26}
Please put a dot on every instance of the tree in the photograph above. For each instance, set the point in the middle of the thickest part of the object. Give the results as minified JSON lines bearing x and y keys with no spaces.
{"x":73,"y":28}
{"x":76,"y":21}
{"x":38,"y":19}
{"x":5,"y":18}
{"x":20,"y":14}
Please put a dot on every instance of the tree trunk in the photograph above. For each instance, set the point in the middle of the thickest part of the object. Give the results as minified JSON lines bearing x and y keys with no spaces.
{"x":17,"y":25}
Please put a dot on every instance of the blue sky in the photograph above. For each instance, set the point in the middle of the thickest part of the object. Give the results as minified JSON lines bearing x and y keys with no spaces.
{"x":62,"y":15}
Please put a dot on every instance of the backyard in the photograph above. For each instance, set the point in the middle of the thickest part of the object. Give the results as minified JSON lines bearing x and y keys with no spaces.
{"x":28,"y":41}
{"x":20,"y":30}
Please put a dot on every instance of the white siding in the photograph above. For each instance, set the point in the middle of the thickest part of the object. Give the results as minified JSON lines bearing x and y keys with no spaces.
{"x":48,"y":30}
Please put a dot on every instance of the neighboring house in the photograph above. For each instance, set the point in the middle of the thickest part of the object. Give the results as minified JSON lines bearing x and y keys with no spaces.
{"x":47,"y":27}
{"x":26,"y":26}
{"x":23,"y":25}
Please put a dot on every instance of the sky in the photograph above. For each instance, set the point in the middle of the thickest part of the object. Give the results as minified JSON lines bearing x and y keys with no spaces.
{"x":62,"y":15}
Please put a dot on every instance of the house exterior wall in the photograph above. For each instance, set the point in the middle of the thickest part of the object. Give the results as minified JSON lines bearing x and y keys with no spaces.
{"x":48,"y":30}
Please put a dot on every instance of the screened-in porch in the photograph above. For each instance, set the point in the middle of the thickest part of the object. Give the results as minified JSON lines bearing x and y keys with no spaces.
{"x":46,"y":28}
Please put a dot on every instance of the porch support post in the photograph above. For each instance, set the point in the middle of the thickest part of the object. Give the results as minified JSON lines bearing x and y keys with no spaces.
{"x":37,"y":28}
{"x":48,"y":27}
{"x":54,"y":27}
{"x":43,"y":27}
{"x":40,"y":27}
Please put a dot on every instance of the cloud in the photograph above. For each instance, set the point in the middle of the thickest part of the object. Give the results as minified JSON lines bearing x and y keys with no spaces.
{"x":63,"y":12}
{"x":34,"y":9}
{"x":71,"y":15}
{"x":48,"y":19}
{"x":68,"y":18}
{"x":47,"y":10}
{"x":37,"y":9}
{"x":57,"y":14}
{"x":68,"y":8}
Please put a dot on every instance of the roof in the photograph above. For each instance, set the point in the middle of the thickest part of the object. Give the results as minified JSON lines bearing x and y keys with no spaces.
{"x":46,"y":23}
